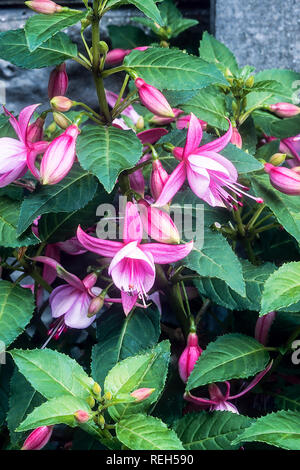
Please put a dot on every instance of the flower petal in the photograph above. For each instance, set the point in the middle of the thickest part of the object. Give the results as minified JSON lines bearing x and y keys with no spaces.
{"x":77,"y":317}
{"x":194,"y":136}
{"x":24,"y":119}
{"x":128,"y":301}
{"x":173,"y":184}
{"x":61,"y":300}
{"x":165,"y":254}
{"x":220,"y":143}
{"x":13,"y":153}
{"x":61,"y":272}
{"x":198,"y":181}
{"x":105,"y":248}
{"x":133,"y":227}
{"x":151,"y":136}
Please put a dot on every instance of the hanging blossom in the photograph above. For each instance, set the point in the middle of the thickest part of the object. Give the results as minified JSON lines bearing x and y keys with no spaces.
{"x":15,"y":152}
{"x":221,"y":402}
{"x":132,"y":267}
{"x":210,"y":175}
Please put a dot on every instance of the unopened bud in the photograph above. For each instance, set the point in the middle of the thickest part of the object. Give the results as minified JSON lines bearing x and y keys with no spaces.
{"x":61,"y":120}
{"x":91,"y":401}
{"x":158,"y":179}
{"x":47,"y":7}
{"x":277,"y":159}
{"x":140,"y":123}
{"x":142,"y":393}
{"x":38,"y":438}
{"x":61,"y":104}
{"x":107,"y":396}
{"x":116,"y":56}
{"x":58,"y":81}
{"x":189,"y":357}
{"x":101,"y":421}
{"x":35,"y":131}
{"x":284,"y":110}
{"x":236,"y":138}
{"x":103,"y":47}
{"x":96,"y":389}
{"x":263,"y":326}
{"x":82,"y":416}
{"x":153,"y":99}
{"x":95,"y":306}
{"x":250,"y":81}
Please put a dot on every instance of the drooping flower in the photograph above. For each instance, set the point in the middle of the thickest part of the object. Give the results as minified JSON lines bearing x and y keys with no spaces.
{"x":58,"y":81}
{"x":220,"y":401}
{"x":263,"y":326}
{"x":210,"y":175}
{"x":38,"y":438}
{"x":189,"y":357}
{"x":132,"y":267}
{"x":153,"y":99}
{"x":15,"y":153}
{"x":284,"y":179}
{"x":58,"y":158}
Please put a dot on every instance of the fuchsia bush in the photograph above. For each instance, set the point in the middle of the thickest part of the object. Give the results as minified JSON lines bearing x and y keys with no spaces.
{"x":150,"y":282}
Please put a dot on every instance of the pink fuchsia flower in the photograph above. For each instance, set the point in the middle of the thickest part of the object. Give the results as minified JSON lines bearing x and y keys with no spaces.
{"x":58,"y":158}
{"x":236,"y":138}
{"x":210,"y":175}
{"x":184,"y":121}
{"x":284,"y":110}
{"x":289,"y":146}
{"x":71,"y":246}
{"x":158,"y":178}
{"x":189,"y":357}
{"x":132,"y":267}
{"x":220,"y":401}
{"x":153,"y":99}
{"x":263,"y":326}
{"x":284,"y":179}
{"x":58,"y":81}
{"x":158,"y":224}
{"x":47,"y":7}
{"x":163,"y":121}
{"x":38,"y":438}
{"x":14,"y":153}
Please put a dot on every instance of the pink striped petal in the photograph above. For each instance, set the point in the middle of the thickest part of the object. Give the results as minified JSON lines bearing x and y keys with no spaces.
{"x":49,"y":273}
{"x":198,"y":181}
{"x":13,"y":175}
{"x":61,"y":299}
{"x":253,"y":382}
{"x":194,"y":136}
{"x":61,"y":272}
{"x":220,"y":143}
{"x":151,"y":136}
{"x":200,"y":162}
{"x":133,"y":227}
{"x":174,"y":183}
{"x":128,"y":302}
{"x":13,"y":153}
{"x":24,"y":119}
{"x":77,"y":317}
{"x":165,"y":254}
{"x":105,"y":248}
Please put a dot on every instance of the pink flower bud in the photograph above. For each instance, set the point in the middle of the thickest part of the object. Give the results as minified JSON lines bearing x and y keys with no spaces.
{"x":115,"y":56}
{"x":81,"y":416}
{"x":153,"y":99}
{"x":35,"y":131}
{"x":236,"y":138}
{"x":137,"y":182}
{"x":61,"y":103}
{"x":47,"y":7}
{"x":95,"y":306}
{"x":284,"y":110}
{"x":164,"y":120}
{"x":38,"y":438}
{"x":58,"y":82}
{"x":90,"y":280}
{"x":158,"y":179}
{"x":142,"y":393}
{"x":263,"y":326}
{"x":284,"y":179}
{"x":189,"y":357}
{"x":158,"y":224}
{"x":59,"y":157}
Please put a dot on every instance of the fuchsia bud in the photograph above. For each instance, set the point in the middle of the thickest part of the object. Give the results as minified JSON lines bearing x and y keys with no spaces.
{"x":115,"y":56}
{"x":158,"y":224}
{"x":142,"y":393}
{"x":35,"y":131}
{"x":158,"y":179}
{"x":284,"y":110}
{"x":61,"y":103}
{"x":189,"y":357}
{"x":236,"y":138}
{"x":58,"y":82}
{"x":263,"y":326}
{"x":47,"y":7}
{"x":59,"y":157}
{"x":277,"y":159}
{"x":165,"y":120}
{"x":284,"y":179}
{"x":153,"y":99}
{"x":82,"y":416}
{"x":95,"y":306}
{"x":38,"y":438}
{"x":90,"y":280}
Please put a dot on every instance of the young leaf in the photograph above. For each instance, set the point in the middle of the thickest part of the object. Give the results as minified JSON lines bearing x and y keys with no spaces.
{"x":148,"y":7}
{"x":59,"y":197}
{"x":173,"y":19}
{"x":147,"y":370}
{"x":17,"y":305}
{"x":288,"y":398}
{"x":120,"y":337}
{"x":217,"y":53}
{"x":106,"y":151}
{"x":282,"y":288}
{"x":60,"y":410}
{"x":9,"y":214}
{"x":231,"y":356}
{"x":127,"y":37}
{"x":14,"y":49}
{"x":52,"y":373}
{"x":210,"y":431}
{"x":173,"y":70}
{"x":141,"y":432}
{"x":279,"y":429}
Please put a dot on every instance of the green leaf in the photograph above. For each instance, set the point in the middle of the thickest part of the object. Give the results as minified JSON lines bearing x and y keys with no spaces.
{"x":220,"y":293}
{"x":40,"y":28}
{"x":288,"y":398}
{"x":147,"y":370}
{"x":9,"y":215}
{"x":52,"y":373}
{"x":6,"y":371}
{"x":14,"y":49}
{"x":284,"y":128}
{"x":231,"y":356}
{"x":210,"y":431}
{"x":282,"y":288}
{"x":58,"y":410}
{"x":121,"y":337}
{"x":173,"y":19}
{"x":148,"y":7}
{"x":106,"y":151}
{"x":16,"y":309}
{"x":284,"y":207}
{"x":23,"y":400}
{"x":173,"y":69}
{"x":127,"y":37}
{"x":210,"y":106}
{"x":279,"y":429}
{"x":215,"y":52}
{"x":59,"y":197}
{"x":141,"y":432}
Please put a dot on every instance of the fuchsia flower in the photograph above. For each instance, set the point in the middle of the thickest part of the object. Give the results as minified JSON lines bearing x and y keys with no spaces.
{"x":284,"y":110}
{"x":58,"y":158}
{"x":220,"y":401}
{"x":38,"y":438}
{"x":263,"y":326}
{"x":189,"y":357}
{"x":283,"y":179}
{"x":132,"y":267}
{"x":153,"y":99}
{"x":15,"y":153}
{"x":236,"y":138}
{"x":210,"y":175}
{"x":158,"y":224}
{"x":58,"y":81}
